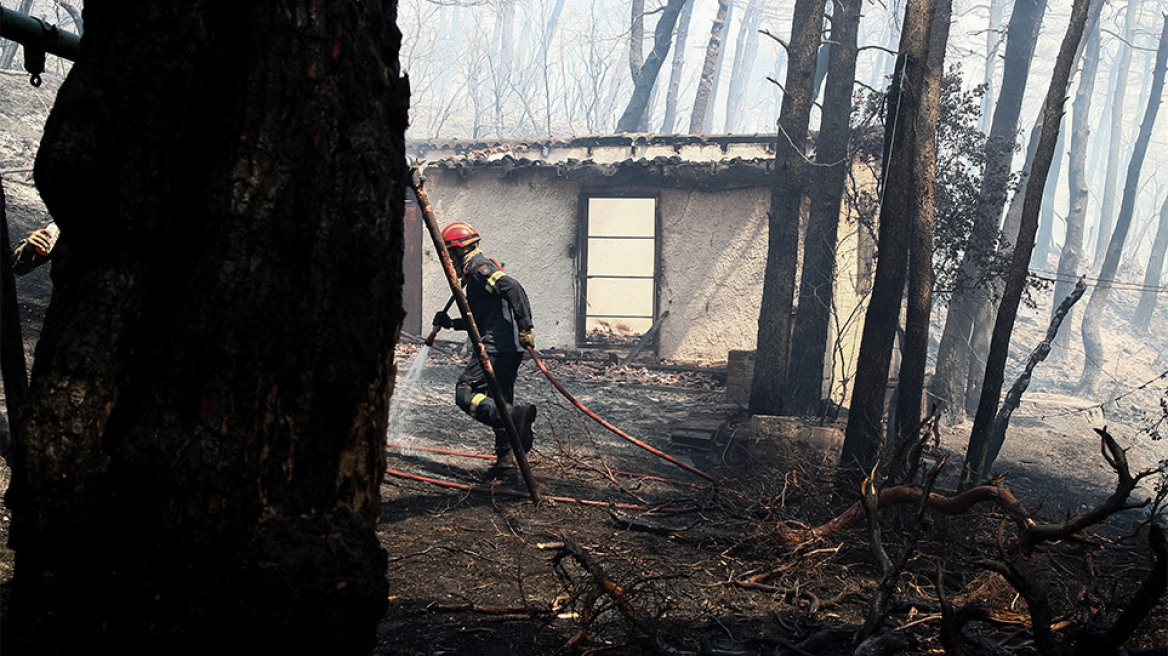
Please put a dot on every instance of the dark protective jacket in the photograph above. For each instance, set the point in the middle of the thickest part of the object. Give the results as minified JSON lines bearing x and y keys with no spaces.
{"x":497,"y":302}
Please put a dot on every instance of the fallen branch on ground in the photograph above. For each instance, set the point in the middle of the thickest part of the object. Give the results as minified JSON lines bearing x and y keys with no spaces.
{"x":901,"y":494}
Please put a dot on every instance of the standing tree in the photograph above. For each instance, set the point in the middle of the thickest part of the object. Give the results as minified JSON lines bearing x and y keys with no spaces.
{"x":1093,"y":315}
{"x":1114,"y":145}
{"x":697,"y":119}
{"x":200,"y":456}
{"x":919,"y":302}
{"x":778,"y":290}
{"x":744,"y":54}
{"x":1052,"y":113}
{"x":634,"y":115}
{"x":960,"y":341}
{"x":804,"y":389}
{"x":1071,"y":257}
{"x":904,"y":171}
{"x":669,"y":122}
{"x":1148,"y":298}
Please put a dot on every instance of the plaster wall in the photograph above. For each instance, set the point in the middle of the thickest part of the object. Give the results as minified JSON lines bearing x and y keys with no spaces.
{"x":528,"y":223}
{"x":713,"y":254}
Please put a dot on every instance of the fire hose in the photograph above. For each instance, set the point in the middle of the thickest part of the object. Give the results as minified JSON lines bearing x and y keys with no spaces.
{"x":614,"y":429}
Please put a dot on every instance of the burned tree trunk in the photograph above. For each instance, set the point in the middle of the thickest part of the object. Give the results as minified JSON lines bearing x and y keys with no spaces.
{"x":1046,"y":219}
{"x":1143,"y":315}
{"x":778,"y":291}
{"x":804,"y":388}
{"x":955,"y":356}
{"x":744,"y":54}
{"x":203,"y":445}
{"x":1093,"y":315}
{"x":919,"y":302}
{"x":1052,"y":116}
{"x":634,"y":113}
{"x":902,"y":177}
{"x":12,"y":365}
{"x":1072,"y":253}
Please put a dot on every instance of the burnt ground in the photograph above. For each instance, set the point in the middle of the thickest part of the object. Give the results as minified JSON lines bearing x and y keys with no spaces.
{"x":479,"y":571}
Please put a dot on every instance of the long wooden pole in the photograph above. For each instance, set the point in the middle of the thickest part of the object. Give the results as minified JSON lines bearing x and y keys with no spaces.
{"x":452,"y":277}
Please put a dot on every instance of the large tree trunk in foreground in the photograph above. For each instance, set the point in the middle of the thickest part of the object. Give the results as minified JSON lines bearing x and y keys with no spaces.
{"x":1148,"y":298}
{"x":902,"y":180}
{"x":778,"y":291}
{"x":959,"y":341}
{"x":804,"y":389}
{"x":201,"y":455}
{"x":1072,"y":254}
{"x":1093,"y":315}
{"x":1052,"y":116}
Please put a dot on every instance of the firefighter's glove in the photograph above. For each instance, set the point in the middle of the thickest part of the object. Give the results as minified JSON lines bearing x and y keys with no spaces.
{"x":442,"y":320}
{"x":527,"y":338}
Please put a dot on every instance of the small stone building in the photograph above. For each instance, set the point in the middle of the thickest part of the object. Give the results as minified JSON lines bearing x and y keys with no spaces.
{"x":616,"y":237}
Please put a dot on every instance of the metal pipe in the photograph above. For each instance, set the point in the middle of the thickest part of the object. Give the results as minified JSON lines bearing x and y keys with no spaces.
{"x":38,"y":38}
{"x":417,"y":183}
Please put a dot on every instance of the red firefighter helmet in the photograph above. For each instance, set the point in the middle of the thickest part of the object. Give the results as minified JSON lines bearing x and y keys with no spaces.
{"x":459,"y":234}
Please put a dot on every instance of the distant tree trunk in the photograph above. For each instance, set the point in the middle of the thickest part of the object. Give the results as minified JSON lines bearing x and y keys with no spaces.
{"x":636,"y":37}
{"x":994,"y":38}
{"x":804,"y":388}
{"x":1071,"y":257}
{"x":778,"y":291}
{"x":959,"y":339}
{"x":201,"y":454}
{"x":719,"y":68}
{"x":668,"y":125}
{"x":1143,"y":316}
{"x":1052,"y":113}
{"x":697,"y":119}
{"x":1093,"y":315}
{"x":1042,"y":246}
{"x":634,"y":113}
{"x":1115,"y":143}
{"x":901,"y":162}
{"x":1013,"y":220}
{"x":744,"y":54}
{"x":919,"y":302}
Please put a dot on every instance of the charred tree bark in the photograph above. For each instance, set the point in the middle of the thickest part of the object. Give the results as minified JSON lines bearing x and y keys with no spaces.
{"x":804,"y":388}
{"x":12,"y":366}
{"x":1072,"y":253}
{"x":634,"y":113}
{"x":203,"y":445}
{"x":1052,"y":113}
{"x":956,"y":354}
{"x":1093,"y":315}
{"x":902,"y":177}
{"x":919,"y":302}
{"x":683,"y":21}
{"x":1148,"y":298}
{"x":774,"y":317}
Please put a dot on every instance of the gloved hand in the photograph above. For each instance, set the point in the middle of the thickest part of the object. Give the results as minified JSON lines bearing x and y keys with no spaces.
{"x":527,"y":338}
{"x":442,"y":320}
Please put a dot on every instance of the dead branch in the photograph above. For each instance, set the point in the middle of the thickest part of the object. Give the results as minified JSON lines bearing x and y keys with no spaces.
{"x":900,"y":494}
{"x":1118,"y":501}
{"x":1014,"y":396}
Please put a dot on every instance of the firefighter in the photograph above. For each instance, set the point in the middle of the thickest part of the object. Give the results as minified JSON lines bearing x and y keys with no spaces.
{"x":36,"y":249}
{"x":502,"y":314}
